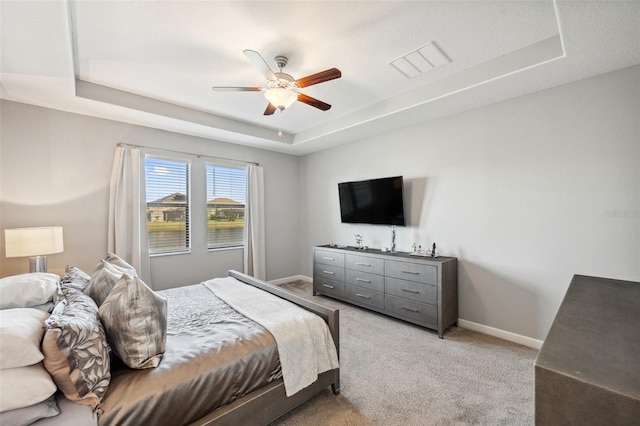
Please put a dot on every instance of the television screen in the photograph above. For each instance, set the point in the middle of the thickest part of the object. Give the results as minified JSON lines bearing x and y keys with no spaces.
{"x":373,"y":201}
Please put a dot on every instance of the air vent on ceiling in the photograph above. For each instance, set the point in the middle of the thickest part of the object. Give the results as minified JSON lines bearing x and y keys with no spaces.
{"x":419,"y":61}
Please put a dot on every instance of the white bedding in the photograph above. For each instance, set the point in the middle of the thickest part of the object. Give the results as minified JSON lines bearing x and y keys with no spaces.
{"x":305,"y":345}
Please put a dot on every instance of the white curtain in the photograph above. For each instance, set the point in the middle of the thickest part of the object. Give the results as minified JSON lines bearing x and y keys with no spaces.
{"x":254,"y":248}
{"x":127,"y":211}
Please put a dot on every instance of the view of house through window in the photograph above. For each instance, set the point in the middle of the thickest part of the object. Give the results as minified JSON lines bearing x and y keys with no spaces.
{"x":168,"y":195}
{"x":167,"y":188}
{"x":226,"y":199}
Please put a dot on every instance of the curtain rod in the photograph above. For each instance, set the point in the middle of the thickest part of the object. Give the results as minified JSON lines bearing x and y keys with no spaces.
{"x":187,"y":153}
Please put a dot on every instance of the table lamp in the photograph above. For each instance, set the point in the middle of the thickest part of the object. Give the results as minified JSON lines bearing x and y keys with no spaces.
{"x":35,"y":243}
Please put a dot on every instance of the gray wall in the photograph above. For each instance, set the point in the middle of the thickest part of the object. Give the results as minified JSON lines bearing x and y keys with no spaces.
{"x":525,"y":193}
{"x":55,"y":169}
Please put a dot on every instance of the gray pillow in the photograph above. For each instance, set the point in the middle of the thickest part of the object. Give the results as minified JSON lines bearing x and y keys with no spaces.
{"x":103,"y":280}
{"x":75,"y":349}
{"x":135,"y":318}
{"x":106,"y":275}
{"x":76,"y":278}
{"x":120,"y":264}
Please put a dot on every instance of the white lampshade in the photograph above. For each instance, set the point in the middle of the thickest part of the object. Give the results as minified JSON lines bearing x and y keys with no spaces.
{"x":22,"y":242}
{"x":281,"y":98}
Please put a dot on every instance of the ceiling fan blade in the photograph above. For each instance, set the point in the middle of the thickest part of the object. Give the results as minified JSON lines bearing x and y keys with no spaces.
{"x":237,"y":89}
{"x":258,"y":61}
{"x":270,"y":109}
{"x":320,"y":77}
{"x":313,"y":102}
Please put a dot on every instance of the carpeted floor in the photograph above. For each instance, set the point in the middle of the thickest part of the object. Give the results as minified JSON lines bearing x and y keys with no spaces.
{"x":395,"y":373}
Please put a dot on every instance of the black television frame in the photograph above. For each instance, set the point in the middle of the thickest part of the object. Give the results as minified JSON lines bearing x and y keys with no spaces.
{"x":377,"y":201}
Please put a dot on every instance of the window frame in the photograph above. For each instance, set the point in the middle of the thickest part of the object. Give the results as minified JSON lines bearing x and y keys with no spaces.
{"x":189,"y":222}
{"x":222,"y":164}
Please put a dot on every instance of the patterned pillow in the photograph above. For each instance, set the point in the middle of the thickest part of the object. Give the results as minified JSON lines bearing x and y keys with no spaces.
{"x":75,"y":349}
{"x":119,"y":262}
{"x":106,"y":275}
{"x":135,"y":318}
{"x":76,"y":278}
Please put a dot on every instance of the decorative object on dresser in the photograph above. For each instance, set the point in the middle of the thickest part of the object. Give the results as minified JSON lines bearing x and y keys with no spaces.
{"x":359,"y":239}
{"x":419,"y":290}
{"x":393,"y":239}
{"x":587,"y":369}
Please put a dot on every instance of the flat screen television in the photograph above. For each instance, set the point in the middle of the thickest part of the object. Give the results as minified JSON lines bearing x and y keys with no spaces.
{"x":373,"y":201}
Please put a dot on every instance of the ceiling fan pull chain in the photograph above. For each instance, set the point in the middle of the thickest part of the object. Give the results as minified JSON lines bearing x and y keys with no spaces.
{"x":280,"y":134}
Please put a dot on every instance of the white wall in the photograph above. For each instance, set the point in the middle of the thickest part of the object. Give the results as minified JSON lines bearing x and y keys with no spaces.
{"x":55,"y":169}
{"x":525,"y":193}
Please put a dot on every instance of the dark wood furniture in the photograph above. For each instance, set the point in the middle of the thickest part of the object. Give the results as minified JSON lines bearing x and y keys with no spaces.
{"x":418,"y":289}
{"x":266,"y":404}
{"x":588,"y":369}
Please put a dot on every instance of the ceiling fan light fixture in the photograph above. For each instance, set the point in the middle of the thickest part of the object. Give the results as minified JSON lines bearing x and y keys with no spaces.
{"x":281,"y":98}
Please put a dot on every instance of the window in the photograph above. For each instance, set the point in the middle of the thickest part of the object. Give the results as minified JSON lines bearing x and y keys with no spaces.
{"x":167,"y":188}
{"x":226,"y":199}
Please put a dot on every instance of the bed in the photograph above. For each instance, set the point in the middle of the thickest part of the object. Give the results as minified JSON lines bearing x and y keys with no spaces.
{"x":218,"y":367}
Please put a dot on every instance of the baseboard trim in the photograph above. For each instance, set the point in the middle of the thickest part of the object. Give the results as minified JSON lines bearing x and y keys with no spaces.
{"x":292,"y":278}
{"x":470,"y":325}
{"x":501,"y":334}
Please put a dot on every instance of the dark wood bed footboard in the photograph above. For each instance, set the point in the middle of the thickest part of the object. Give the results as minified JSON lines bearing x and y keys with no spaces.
{"x":266,"y":404}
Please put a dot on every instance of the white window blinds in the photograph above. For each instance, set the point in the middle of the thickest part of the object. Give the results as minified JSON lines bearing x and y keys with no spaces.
{"x":167,"y":189}
{"x":226,"y":200}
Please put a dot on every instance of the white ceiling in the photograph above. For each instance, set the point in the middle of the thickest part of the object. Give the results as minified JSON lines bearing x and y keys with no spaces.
{"x":153,"y":63}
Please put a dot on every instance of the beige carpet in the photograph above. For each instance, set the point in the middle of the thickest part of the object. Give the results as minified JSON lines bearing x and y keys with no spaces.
{"x":395,"y":373}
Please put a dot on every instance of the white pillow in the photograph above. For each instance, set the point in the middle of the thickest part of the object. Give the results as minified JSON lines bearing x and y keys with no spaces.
{"x":31,"y":414}
{"x":24,"y":386}
{"x":27,"y":290}
{"x":21,"y":331}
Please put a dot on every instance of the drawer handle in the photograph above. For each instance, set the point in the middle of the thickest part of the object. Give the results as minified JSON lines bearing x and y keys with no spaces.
{"x":410,"y":291}
{"x":329,"y":272}
{"x":327,"y":286}
{"x":363,"y":264}
{"x":364,"y":296}
{"x":363,"y":280}
{"x":411,"y":272}
{"x":409,"y":309}
{"x":329,"y":258}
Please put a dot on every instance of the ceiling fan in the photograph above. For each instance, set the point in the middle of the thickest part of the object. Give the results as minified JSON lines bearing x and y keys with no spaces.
{"x":281,"y":90}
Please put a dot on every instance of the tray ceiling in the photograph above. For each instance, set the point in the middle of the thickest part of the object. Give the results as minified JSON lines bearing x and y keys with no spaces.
{"x":153,"y":63}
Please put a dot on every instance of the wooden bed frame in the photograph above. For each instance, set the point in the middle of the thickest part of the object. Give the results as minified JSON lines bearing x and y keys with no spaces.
{"x":266,"y":404}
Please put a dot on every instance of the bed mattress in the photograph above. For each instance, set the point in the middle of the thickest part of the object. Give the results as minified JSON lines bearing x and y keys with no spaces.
{"x":213,"y":356}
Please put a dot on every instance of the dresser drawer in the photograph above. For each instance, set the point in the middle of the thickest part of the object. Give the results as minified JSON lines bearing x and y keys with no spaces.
{"x":427,"y":274}
{"x":364,"y":279}
{"x":333,"y":273}
{"x":372,"y":265}
{"x":365,"y":296}
{"x":328,"y":287}
{"x":419,"y":292}
{"x":328,"y":257}
{"x":412,"y":310}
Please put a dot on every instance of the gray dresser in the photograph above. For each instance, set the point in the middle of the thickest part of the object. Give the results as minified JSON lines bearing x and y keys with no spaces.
{"x":421,"y":290}
{"x":588,"y":369}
